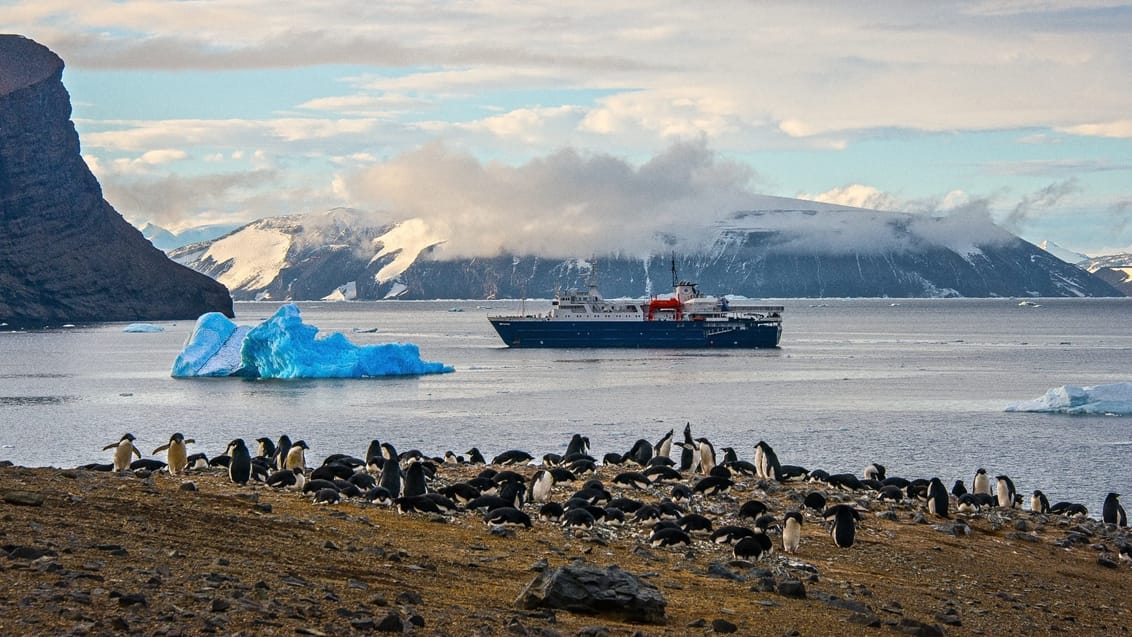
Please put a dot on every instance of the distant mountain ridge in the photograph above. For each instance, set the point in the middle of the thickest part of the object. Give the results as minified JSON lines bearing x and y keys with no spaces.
{"x":165,"y":240}
{"x":1115,"y":269}
{"x":794,"y":248}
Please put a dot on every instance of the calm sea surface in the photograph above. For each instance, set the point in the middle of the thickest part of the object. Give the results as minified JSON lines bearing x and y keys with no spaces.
{"x":917,"y":385}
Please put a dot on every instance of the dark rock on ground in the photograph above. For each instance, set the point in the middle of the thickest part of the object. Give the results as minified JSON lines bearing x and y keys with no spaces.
{"x":584,"y":588}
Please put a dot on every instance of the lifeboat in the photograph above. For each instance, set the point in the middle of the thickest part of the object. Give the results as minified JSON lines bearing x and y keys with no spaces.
{"x":658,"y":305}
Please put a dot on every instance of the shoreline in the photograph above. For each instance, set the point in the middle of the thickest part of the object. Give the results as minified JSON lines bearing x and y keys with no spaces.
{"x":141,"y":554}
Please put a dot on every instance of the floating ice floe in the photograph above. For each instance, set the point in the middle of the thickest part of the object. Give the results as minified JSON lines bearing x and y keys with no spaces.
{"x":284,"y":347}
{"x":142,"y":328}
{"x":1111,"y":399}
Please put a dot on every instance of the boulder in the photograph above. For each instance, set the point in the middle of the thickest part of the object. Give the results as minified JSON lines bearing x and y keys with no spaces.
{"x":590,"y":590}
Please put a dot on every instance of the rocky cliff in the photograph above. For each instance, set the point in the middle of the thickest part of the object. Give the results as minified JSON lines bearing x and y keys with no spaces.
{"x":65,"y":254}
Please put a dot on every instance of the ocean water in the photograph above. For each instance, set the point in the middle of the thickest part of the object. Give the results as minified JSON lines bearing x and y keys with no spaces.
{"x":917,"y":385}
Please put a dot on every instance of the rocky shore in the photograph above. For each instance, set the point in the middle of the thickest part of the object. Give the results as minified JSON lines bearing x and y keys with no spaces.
{"x":152,"y":554}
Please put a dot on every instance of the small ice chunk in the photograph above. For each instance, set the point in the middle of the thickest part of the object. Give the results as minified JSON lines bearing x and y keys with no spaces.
{"x":1113,"y":398}
{"x":142,"y":328}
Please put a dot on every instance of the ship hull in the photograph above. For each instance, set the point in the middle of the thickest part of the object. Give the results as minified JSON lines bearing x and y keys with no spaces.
{"x":732,"y":334}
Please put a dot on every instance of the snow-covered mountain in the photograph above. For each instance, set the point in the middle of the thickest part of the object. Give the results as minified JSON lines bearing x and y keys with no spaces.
{"x":1064,"y":254}
{"x":787,"y":248}
{"x":1115,"y":269}
{"x":165,"y":241}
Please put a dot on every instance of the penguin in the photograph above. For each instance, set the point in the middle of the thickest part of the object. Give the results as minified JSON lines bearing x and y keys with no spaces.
{"x":680,"y":493}
{"x":663,"y":447}
{"x":240,"y":465}
{"x":981,"y":483}
{"x":770,"y":468}
{"x":416,"y":504}
{"x":891,"y":493}
{"x":791,"y":532}
{"x":844,"y":528}
{"x":513,"y":456}
{"x":551,"y":512}
{"x":713,"y":485}
{"x":613,"y":516}
{"x":792,"y":473}
{"x":688,"y":449}
{"x":938,"y":498}
{"x":969,"y":503}
{"x":507,"y":516}
{"x":327,"y":496}
{"x":669,"y":536}
{"x":874,"y":471}
{"x":379,"y":496}
{"x":729,"y":455}
{"x":296,"y":456}
{"x":176,"y":458}
{"x":760,"y":459}
{"x":373,"y":450}
{"x":1004,"y":490}
{"x":730,"y":534}
{"x":694,"y":523}
{"x":751,"y":510}
{"x":391,"y":478}
{"x":282,"y":448}
{"x":1039,"y":503}
{"x":197,"y":461}
{"x":541,"y":484}
{"x":958,"y":489}
{"x":578,"y":444}
{"x":660,"y":474}
{"x":640,"y":453}
{"x":1112,"y":512}
{"x":474,"y":456}
{"x":579,"y":519}
{"x":414,"y":484}
{"x":146,"y":464}
{"x":752,"y":547}
{"x":633,"y":479}
{"x":284,"y":479}
{"x":265,"y":448}
{"x":814,"y":500}
{"x":647,"y":513}
{"x":123,"y":450}
{"x":705,"y":455}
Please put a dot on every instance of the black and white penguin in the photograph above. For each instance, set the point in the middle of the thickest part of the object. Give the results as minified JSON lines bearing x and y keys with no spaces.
{"x":507,"y":516}
{"x":296,"y":456}
{"x":891,"y":493}
{"x":327,"y":496}
{"x":680,"y":493}
{"x":265,"y":448}
{"x":579,"y":519}
{"x":658,"y":474}
{"x":669,"y":536}
{"x":730,"y":534}
{"x":415,"y":504}
{"x":640,"y":453}
{"x":282,"y":447}
{"x":391,"y":478}
{"x":814,"y":500}
{"x":792,"y":473}
{"x":938,"y":498}
{"x":752,"y":547}
{"x":766,"y":462}
{"x":578,"y":444}
{"x":981,"y":483}
{"x":540,"y":486}
{"x":414,"y":483}
{"x":634,"y":479}
{"x":373,"y":450}
{"x":687,"y":449}
{"x":844,"y":528}
{"x":512,"y":457}
{"x":1039,"y":503}
{"x":663,"y":447}
{"x":474,"y":456}
{"x":729,"y":455}
{"x":1112,"y":512}
{"x":958,"y":488}
{"x":240,"y":463}
{"x":124,"y":450}
{"x":791,"y":531}
{"x":875,"y":471}
{"x":713,"y":485}
{"x":284,"y":479}
{"x":1004,"y":491}
{"x":751,"y":510}
{"x":694,"y":523}
{"x":176,"y":456}
{"x":197,"y":461}
{"x":705,"y":456}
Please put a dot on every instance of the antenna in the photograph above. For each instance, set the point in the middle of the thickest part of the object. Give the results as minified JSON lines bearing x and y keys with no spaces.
{"x":674,"y":281}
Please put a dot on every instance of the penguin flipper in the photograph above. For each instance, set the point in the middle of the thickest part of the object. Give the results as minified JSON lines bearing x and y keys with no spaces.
{"x":110,"y":446}
{"x":136,"y":452}
{"x":159,"y":449}
{"x":190,"y":441}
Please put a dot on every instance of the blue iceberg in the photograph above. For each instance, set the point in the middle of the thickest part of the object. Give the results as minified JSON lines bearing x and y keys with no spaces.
{"x":284,"y":347}
{"x":1112,"y":399}
{"x":142,"y":328}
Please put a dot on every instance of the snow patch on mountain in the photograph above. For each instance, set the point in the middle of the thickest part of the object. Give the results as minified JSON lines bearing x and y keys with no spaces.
{"x":1064,"y":254}
{"x":406,"y":241}
{"x":254,"y":256}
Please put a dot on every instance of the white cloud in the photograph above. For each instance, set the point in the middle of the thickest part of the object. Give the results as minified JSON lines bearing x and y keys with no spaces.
{"x":858,"y":196}
{"x":1119,"y":129}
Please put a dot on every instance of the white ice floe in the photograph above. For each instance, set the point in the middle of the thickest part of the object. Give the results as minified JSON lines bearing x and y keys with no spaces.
{"x":142,"y":328}
{"x":284,"y":347}
{"x":1110,"y":399}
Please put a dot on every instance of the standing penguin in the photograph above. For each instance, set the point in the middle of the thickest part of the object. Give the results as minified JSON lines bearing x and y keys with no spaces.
{"x":282,"y":448}
{"x":1039,"y":503}
{"x":1005,"y":492}
{"x":688,"y":449}
{"x":391,"y":478}
{"x":844,"y":529}
{"x":874,"y":471}
{"x":373,"y":450}
{"x":663,"y":447}
{"x":981,"y":483}
{"x":958,"y":489}
{"x":414,"y":480}
{"x":766,"y":462}
{"x":937,"y":498}
{"x":296,"y":456}
{"x":265,"y":449}
{"x":705,"y":455}
{"x":539,"y":489}
{"x":791,"y":532}
{"x":240,"y":465}
{"x":1113,"y":513}
{"x":124,"y":449}
{"x":176,"y":457}
{"x":578,"y":444}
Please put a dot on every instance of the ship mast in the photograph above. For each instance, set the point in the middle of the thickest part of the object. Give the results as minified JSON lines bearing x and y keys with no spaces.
{"x":674,"y":280}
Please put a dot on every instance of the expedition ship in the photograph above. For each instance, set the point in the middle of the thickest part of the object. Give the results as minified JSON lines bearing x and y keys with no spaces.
{"x":687,"y":319}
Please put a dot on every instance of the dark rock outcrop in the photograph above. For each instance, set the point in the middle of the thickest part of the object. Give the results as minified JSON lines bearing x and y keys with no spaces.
{"x":65,"y":254}
{"x":586,"y":589}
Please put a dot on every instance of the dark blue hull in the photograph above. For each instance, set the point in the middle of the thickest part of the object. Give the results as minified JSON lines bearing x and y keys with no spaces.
{"x":734,"y":333}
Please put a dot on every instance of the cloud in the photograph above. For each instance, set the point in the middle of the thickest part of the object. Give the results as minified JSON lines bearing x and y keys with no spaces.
{"x":169,"y":200}
{"x":1043,"y":199}
{"x":858,"y":196}
{"x":563,"y":204}
{"x":1119,"y":129}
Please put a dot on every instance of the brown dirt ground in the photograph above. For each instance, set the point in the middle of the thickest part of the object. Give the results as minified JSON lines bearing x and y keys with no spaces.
{"x":214,"y":561}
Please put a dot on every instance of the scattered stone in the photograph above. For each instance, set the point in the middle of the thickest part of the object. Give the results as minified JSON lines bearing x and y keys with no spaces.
{"x":723,"y":626}
{"x":1107,"y":563}
{"x":131,"y":599}
{"x":539,"y":566}
{"x":715,"y":569}
{"x":949,"y":617}
{"x":864,"y":619}
{"x":792,"y":588}
{"x":220,"y":605}
{"x":919,"y":628}
{"x":28,"y":553}
{"x":24,"y":498}
{"x":417,"y":620}
{"x":697,"y":623}
{"x":891,"y":516}
{"x":262,"y":507}
{"x":587,"y":589}
{"x":188,"y":486}
{"x":594,"y":631}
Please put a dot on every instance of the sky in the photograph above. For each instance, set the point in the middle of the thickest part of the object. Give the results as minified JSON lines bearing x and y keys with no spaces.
{"x":515,"y":120}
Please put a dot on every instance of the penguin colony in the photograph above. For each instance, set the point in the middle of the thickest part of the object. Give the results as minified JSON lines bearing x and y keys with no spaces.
{"x":667,"y":503}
